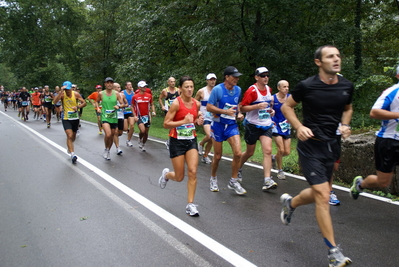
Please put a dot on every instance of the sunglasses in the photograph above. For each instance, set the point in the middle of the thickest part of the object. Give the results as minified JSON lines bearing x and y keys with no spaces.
{"x":264,"y":75}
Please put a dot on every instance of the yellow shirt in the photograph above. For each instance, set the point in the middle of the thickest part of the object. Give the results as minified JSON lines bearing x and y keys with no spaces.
{"x":67,"y":105}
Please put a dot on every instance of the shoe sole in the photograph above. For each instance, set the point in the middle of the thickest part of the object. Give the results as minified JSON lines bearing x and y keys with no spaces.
{"x":192,"y":215}
{"x":346,"y":263}
{"x":269,"y":188}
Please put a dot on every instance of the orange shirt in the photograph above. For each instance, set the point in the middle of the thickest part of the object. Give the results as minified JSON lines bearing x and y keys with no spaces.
{"x":36,"y":99}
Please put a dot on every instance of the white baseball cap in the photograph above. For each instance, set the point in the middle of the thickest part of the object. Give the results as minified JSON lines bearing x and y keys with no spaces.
{"x":142,"y":84}
{"x":210,"y":76}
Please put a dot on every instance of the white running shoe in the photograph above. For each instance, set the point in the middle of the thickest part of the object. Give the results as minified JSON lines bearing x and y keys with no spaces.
{"x":206,"y":160}
{"x":74,"y":158}
{"x":191,"y":209}
{"x":129,"y":144}
{"x":200,"y":149}
{"x":140,"y":143}
{"x":214,"y":185}
{"x":281,"y":175}
{"x":162,"y":180}
{"x":269,"y":184}
{"x":119,"y":151}
{"x":236,"y":187}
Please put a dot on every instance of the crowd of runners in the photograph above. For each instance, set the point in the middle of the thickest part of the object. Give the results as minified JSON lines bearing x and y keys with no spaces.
{"x":327,"y":111}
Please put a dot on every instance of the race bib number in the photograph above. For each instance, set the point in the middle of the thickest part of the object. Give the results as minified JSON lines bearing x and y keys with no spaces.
{"x":263,"y":114}
{"x":24,"y":103}
{"x":110,"y":114}
{"x":47,"y":99}
{"x":120,"y":114}
{"x":285,"y":126}
{"x":185,"y":131}
{"x":73,"y":115}
{"x":144,"y":119}
{"x":229,"y":106}
{"x":128,"y":110}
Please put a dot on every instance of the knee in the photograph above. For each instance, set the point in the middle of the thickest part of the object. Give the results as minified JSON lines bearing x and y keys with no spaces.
{"x":179,"y":177}
{"x":286,"y":153}
{"x":217,"y":156}
{"x":238,"y":154}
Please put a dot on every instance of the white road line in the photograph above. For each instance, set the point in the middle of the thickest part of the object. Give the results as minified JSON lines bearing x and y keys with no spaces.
{"x":222,"y":251}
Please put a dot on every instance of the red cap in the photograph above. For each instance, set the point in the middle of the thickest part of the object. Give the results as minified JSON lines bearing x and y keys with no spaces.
{"x":99,"y":87}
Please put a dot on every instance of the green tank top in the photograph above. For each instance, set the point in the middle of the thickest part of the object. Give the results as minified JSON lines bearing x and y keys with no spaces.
{"x":108,"y":113}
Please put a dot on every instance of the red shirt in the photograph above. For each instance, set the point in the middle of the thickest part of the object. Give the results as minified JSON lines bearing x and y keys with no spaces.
{"x":142,"y":103}
{"x":250,"y":95}
{"x":181,"y":114}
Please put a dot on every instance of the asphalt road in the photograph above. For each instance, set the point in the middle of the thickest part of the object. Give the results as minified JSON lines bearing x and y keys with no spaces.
{"x":112,"y":213}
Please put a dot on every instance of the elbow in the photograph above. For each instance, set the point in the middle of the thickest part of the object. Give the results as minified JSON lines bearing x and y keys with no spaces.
{"x":373,"y":114}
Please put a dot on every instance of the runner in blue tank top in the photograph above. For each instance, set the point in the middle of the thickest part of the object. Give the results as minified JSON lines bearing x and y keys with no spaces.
{"x":223,"y":103}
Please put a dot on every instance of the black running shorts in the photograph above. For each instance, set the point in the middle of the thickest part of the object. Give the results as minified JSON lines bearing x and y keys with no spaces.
{"x":317,"y":159}
{"x":180,"y":147}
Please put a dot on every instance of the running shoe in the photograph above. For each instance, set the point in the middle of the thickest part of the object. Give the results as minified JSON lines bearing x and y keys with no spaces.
{"x":100,"y":132}
{"x":119,"y":151}
{"x":214,"y":185}
{"x":281,"y":175}
{"x":191,"y":209}
{"x":26,"y":117}
{"x":34,"y":116}
{"x":333,"y":199}
{"x":336,"y":258}
{"x":355,"y":190}
{"x":236,"y":187}
{"x":200,"y":149}
{"x":167,"y":144}
{"x":74,"y":158}
{"x":129,"y":144}
{"x":77,"y":132}
{"x":287,"y":211}
{"x":274,"y":163}
{"x":106,"y":154}
{"x":239,"y":175}
{"x":48,"y":125}
{"x":269,"y":184}
{"x":162,"y":180}
{"x":143,"y":148}
{"x":206,"y":160}
{"x":140,"y":143}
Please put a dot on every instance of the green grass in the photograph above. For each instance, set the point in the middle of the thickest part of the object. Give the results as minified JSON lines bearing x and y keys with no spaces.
{"x":290,"y":163}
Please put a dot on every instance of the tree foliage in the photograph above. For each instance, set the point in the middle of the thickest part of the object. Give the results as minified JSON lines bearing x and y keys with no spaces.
{"x":50,"y":41}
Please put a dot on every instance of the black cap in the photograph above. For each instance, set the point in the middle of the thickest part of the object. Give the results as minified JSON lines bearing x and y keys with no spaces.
{"x":232,"y":71}
{"x":108,"y":79}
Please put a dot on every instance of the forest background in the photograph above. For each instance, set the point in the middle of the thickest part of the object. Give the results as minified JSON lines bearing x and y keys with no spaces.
{"x":50,"y":41}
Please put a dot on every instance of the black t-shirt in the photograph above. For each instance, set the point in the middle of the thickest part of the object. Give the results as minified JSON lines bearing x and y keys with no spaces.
{"x":323,"y":104}
{"x":24,"y":96}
